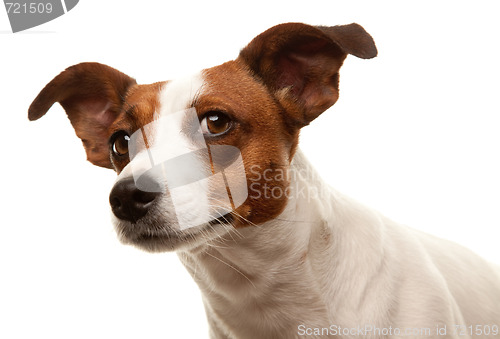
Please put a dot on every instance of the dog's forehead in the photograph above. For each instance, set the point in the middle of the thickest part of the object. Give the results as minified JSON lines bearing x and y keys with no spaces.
{"x":145,"y":103}
{"x":159,"y":112}
{"x":180,"y":94}
{"x":176,"y":100}
{"x":141,"y":102}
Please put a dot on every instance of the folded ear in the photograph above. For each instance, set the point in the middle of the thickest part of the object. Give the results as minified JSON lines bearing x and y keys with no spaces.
{"x":92,"y":95}
{"x":300,"y":63}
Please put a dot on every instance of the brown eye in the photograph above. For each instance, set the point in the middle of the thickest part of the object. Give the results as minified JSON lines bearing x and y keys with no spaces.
{"x":119,"y":143}
{"x":215,"y":123}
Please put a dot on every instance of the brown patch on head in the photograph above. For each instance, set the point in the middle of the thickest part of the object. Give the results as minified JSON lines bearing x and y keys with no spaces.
{"x":260,"y":132}
{"x":142,"y":103}
{"x":140,"y":107}
{"x":281,"y":81}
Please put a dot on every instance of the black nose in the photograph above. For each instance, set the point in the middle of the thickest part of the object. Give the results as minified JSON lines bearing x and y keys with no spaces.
{"x":130,"y":203}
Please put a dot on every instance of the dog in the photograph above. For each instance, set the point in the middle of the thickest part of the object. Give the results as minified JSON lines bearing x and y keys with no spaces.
{"x":209,"y":166}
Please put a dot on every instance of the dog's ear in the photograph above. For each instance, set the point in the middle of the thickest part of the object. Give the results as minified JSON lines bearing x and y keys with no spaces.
{"x":92,"y":96}
{"x":300,"y":63}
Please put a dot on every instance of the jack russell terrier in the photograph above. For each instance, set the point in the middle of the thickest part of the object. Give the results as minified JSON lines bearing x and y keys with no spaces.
{"x":209,"y":166}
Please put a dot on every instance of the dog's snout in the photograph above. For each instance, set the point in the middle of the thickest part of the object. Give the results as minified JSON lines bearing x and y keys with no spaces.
{"x":130,"y":203}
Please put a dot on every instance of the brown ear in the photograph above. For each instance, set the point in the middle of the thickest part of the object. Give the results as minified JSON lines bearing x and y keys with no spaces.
{"x":92,"y":95}
{"x":300,"y":63}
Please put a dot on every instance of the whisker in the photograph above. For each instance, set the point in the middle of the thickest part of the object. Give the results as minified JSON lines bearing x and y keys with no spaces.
{"x":298,"y":221}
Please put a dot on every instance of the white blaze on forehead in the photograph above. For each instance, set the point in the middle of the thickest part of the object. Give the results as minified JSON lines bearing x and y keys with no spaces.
{"x":190,"y":201}
{"x":175,"y":97}
{"x":172,"y":151}
{"x":178,"y":95}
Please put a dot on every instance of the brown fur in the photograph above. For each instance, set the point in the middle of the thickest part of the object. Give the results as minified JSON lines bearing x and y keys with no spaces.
{"x":92,"y":96}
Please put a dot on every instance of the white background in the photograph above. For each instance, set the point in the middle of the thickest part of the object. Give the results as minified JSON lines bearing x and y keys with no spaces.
{"x":415,"y":134}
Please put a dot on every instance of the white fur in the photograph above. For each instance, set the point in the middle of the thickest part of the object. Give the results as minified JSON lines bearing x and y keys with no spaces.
{"x":329,"y":264}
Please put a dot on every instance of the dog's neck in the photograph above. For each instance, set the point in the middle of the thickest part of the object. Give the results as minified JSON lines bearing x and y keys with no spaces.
{"x":278,"y":275}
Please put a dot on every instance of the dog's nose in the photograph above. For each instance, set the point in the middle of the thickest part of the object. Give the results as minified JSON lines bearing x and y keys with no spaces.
{"x":130,"y":203}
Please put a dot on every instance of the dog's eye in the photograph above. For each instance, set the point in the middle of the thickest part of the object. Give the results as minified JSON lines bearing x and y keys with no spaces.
{"x":119,"y":143}
{"x":215,"y":123}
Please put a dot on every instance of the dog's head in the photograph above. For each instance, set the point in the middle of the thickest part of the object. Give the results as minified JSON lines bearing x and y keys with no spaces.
{"x":193,"y":156}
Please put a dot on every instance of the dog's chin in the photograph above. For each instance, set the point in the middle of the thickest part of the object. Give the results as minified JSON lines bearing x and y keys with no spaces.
{"x":154,"y":236}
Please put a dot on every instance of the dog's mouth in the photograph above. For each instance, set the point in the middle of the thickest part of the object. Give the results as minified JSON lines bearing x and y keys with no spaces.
{"x":152,"y":235}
